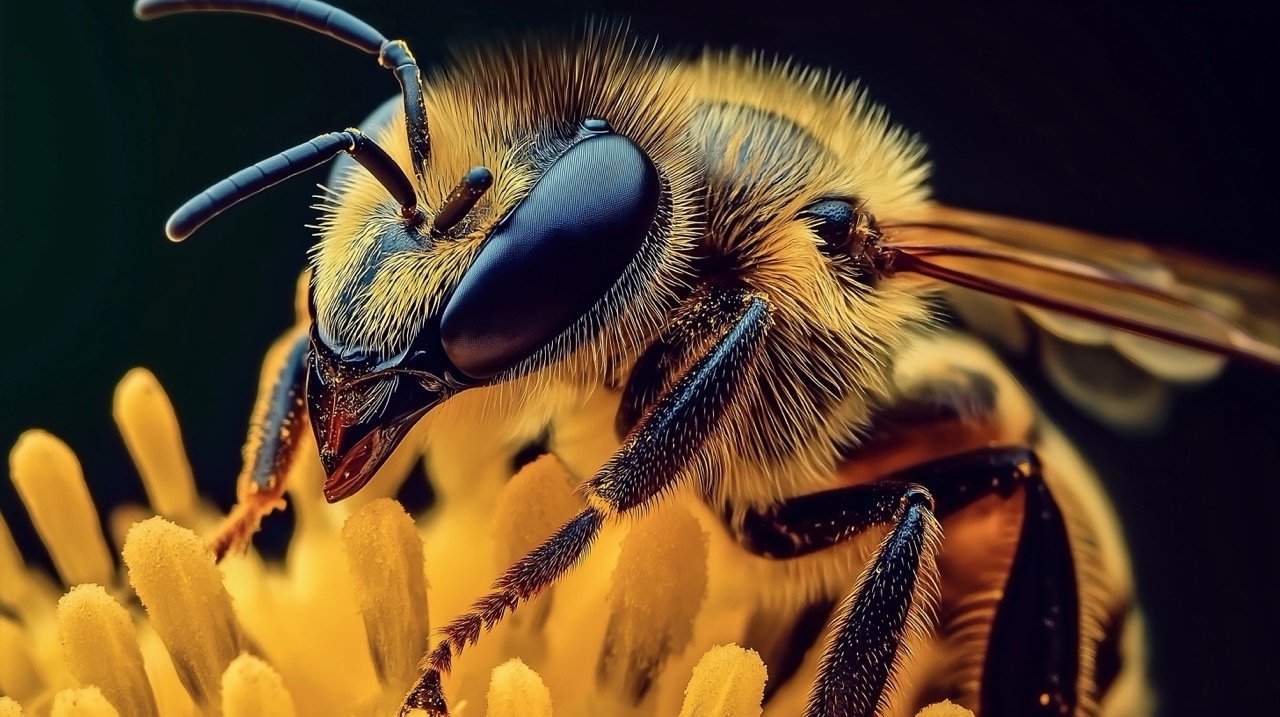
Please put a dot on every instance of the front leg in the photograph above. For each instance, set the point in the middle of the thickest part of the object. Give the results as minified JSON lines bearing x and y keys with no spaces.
{"x":279,"y":424}
{"x":657,"y":453}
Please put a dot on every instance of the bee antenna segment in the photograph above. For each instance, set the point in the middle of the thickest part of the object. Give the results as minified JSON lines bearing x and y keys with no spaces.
{"x":463,"y":198}
{"x":273,"y":170}
{"x":340,"y":25}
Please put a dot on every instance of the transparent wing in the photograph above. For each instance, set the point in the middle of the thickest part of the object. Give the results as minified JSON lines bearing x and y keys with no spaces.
{"x":1108,"y":306}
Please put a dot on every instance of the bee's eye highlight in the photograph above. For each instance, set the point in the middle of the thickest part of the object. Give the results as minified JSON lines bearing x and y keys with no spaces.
{"x":595,"y":125}
{"x":832,"y":220}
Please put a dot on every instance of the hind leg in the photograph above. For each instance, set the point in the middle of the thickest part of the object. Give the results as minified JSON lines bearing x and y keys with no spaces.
{"x":892,"y":599}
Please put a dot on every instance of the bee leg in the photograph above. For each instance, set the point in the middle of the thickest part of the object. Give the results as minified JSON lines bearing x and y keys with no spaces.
{"x":1033,"y":651}
{"x":817,"y":521}
{"x":892,"y":601}
{"x":704,"y":315}
{"x":657,"y":452}
{"x":869,"y":631}
{"x":279,"y":421}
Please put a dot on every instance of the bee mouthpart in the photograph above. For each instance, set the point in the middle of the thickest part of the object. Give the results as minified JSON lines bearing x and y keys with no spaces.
{"x":351,"y":469}
{"x":359,"y":416}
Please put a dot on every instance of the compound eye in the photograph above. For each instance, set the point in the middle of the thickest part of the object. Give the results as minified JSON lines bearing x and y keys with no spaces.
{"x":832,"y":220}
{"x":555,"y":255}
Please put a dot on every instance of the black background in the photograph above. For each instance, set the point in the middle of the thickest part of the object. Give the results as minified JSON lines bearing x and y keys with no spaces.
{"x":1156,"y":123}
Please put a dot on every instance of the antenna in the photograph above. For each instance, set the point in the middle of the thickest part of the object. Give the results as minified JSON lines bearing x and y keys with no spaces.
{"x":470,"y":188}
{"x":340,"y":25}
{"x":273,"y":170}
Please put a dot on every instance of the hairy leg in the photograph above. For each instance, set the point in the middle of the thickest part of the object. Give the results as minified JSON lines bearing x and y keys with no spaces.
{"x":658,"y":451}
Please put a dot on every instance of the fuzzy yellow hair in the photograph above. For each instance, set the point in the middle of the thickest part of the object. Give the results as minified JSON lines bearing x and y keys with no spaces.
{"x":776,"y":139}
{"x":512,"y":109}
{"x":742,"y":146}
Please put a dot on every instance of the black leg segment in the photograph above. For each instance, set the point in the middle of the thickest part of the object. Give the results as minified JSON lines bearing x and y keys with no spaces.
{"x":279,"y":420}
{"x":706,"y":314}
{"x":891,"y":601}
{"x":871,"y":628}
{"x":669,"y":434}
{"x":656,"y":453}
{"x":1032,"y":661}
{"x":809,"y":523}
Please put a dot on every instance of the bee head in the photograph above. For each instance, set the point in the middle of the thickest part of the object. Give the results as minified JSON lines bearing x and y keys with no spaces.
{"x":497,"y":281}
{"x":560,"y":248}
{"x":406,"y":315}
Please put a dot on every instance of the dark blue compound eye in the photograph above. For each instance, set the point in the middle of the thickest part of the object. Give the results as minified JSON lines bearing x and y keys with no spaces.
{"x":554,"y":256}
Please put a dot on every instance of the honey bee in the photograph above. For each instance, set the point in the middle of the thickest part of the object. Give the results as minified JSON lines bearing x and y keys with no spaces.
{"x":728,"y":273}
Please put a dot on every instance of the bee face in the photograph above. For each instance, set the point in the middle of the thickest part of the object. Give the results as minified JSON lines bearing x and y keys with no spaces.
{"x":579,"y":242}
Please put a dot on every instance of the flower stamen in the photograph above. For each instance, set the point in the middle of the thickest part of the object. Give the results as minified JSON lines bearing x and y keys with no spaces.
{"x":181,"y":588}
{"x":150,"y":430}
{"x":515,"y":690}
{"x":101,"y":648}
{"x":728,"y":681}
{"x":384,"y":553}
{"x":658,"y":588}
{"x":84,"y":702}
{"x":51,"y":485}
{"x":530,"y":508}
{"x":251,"y":688}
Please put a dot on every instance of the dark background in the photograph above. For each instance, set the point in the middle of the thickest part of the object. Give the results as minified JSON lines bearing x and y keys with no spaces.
{"x":1156,"y":123}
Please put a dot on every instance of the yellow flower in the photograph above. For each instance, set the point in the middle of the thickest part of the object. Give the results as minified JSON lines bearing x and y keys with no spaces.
{"x":337,"y":627}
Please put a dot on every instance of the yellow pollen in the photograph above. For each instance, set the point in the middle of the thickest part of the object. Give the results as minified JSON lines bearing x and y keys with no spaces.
{"x":945,"y":708}
{"x":150,"y":430}
{"x":727,"y":682}
{"x":51,"y":484}
{"x":517,"y":691}
{"x":101,"y":648}
{"x":250,"y":688}
{"x":87,"y":702}
{"x":384,"y":554}
{"x":181,"y":588}
{"x":658,"y":587}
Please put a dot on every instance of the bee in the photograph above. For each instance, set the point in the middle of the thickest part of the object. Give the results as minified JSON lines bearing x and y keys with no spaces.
{"x":743,"y":260}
